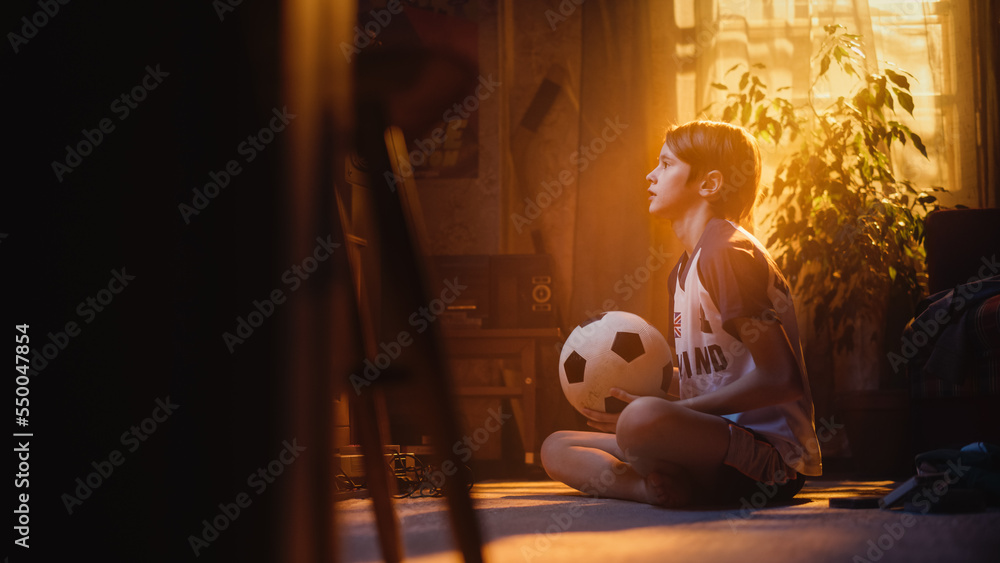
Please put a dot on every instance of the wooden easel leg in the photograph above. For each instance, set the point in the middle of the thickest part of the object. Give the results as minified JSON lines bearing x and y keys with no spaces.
{"x":466,"y":526}
{"x":379,"y":481}
{"x":444,"y":424}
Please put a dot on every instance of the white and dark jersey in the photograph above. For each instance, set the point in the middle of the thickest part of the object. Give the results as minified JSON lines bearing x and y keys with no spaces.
{"x":730,"y":275}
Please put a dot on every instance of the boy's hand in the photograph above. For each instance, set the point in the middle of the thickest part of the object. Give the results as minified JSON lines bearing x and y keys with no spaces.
{"x":606,"y":421}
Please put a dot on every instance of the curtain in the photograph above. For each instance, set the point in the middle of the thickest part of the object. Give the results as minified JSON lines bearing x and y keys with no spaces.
{"x":928,"y":39}
{"x":985,"y":40}
{"x":622,"y":256}
{"x":590,"y":96}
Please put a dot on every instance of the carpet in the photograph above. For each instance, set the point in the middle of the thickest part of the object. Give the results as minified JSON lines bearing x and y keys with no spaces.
{"x":547,"y":521}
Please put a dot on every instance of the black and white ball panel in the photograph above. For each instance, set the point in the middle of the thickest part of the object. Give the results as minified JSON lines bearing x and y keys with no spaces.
{"x":614,"y":349}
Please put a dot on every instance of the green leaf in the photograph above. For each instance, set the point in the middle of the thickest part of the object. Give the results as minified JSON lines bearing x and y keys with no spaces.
{"x":919,"y":143}
{"x":745,"y":114}
{"x":744,"y":80}
{"x":880,"y":91}
{"x":774,"y":129}
{"x":905,"y":100}
{"x":758,"y":65}
{"x":734,"y":67}
{"x":898,"y":79}
{"x":719,"y":86}
{"x":861,"y":101}
{"x":878,"y":111}
{"x":824,"y":64}
{"x":832,"y":28}
{"x":902,"y":127}
{"x":728,"y":113}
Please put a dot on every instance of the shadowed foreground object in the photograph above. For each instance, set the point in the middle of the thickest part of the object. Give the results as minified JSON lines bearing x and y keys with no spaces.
{"x":394,"y":250}
{"x":548,"y":521}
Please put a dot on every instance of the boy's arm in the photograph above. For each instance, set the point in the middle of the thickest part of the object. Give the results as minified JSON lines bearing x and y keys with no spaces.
{"x":776,"y":379}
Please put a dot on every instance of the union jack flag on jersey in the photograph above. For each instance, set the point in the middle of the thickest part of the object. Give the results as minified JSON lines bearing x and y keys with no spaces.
{"x":677,"y":325}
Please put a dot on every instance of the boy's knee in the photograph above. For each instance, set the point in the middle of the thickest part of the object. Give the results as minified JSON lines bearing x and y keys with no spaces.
{"x":550,"y":450}
{"x":642,"y":419}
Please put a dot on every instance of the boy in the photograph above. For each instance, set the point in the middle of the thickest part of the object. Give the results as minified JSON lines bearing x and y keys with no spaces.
{"x":744,"y":422}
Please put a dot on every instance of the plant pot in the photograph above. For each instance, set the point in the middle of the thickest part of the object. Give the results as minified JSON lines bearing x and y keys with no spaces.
{"x":878,"y":432}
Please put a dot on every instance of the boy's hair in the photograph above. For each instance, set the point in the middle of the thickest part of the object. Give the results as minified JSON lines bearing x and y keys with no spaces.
{"x":732,"y":150}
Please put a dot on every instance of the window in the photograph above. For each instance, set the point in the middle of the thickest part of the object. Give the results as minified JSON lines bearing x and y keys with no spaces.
{"x":919,"y":37}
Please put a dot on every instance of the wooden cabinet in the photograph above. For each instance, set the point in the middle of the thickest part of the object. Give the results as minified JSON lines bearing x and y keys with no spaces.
{"x":520,"y":346}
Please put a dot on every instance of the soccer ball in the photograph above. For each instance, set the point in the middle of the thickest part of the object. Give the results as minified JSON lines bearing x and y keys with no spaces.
{"x":614,"y":349}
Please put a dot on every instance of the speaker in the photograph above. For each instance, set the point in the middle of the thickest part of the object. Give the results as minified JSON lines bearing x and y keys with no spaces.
{"x":521,"y":291}
{"x":501,"y":290}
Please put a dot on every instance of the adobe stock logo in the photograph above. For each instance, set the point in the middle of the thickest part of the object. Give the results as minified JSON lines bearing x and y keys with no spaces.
{"x":31,"y":26}
{"x":420,"y":320}
{"x":122,"y":107}
{"x":213,"y":526}
{"x":364,"y":37}
{"x":223,"y":7}
{"x":581,"y":160}
{"x":469,"y":443}
{"x":132,"y":439}
{"x":293,"y":277}
{"x":249,"y":148}
{"x":566,"y":9}
{"x":88,"y":309}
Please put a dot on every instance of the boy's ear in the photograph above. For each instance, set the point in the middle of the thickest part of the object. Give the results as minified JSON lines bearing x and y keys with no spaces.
{"x":711,"y":185}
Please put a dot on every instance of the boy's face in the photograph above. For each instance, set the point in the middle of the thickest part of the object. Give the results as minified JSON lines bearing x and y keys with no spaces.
{"x":669,"y":194}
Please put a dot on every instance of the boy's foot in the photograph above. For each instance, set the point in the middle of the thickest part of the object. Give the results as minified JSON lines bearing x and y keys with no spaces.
{"x":668,"y":491}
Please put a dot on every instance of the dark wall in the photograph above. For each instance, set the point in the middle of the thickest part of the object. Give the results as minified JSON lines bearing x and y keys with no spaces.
{"x":116,"y":216}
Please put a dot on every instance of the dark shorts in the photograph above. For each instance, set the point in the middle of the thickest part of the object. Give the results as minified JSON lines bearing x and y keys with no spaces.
{"x":754,"y":473}
{"x":736,"y":487}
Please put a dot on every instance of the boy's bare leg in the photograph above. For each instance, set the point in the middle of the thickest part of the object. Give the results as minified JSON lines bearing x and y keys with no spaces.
{"x":678,"y":451}
{"x":670,"y":486}
{"x":591,"y":462}
{"x":662,"y":454}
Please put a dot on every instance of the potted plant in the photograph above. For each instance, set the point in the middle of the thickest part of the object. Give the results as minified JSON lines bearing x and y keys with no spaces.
{"x":845,"y":230}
